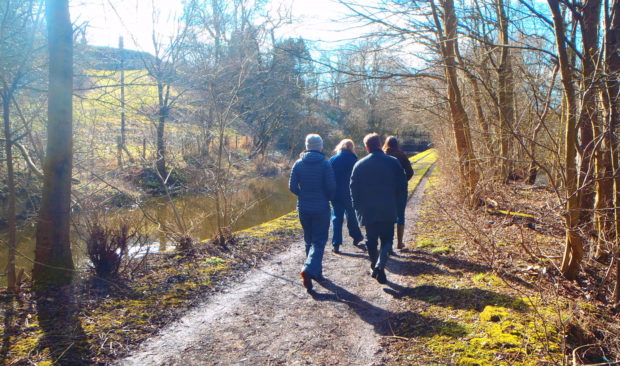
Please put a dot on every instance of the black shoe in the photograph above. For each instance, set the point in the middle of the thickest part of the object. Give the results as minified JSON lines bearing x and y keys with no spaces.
{"x":381,"y":276}
{"x":305,"y":276}
{"x":356,"y":242}
{"x":336,"y":249}
{"x":374,"y":273}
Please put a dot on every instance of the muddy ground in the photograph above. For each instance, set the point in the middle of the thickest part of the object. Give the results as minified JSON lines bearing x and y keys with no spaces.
{"x":269,"y":319}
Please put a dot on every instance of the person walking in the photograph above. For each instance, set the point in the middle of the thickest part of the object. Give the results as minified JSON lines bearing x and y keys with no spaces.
{"x":378,"y":181}
{"x":392,"y":148}
{"x":342,"y":163}
{"x":312,"y":180}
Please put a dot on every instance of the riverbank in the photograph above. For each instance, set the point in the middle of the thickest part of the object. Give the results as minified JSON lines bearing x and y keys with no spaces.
{"x":155,"y":293}
{"x":260,"y":199}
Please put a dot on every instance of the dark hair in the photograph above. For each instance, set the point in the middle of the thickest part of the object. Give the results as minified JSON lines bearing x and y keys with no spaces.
{"x":391,"y":146}
{"x":372,"y":141}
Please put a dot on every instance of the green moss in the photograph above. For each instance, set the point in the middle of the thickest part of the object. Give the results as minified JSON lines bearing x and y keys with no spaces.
{"x":420,"y":156}
{"x":489,"y":279}
{"x":24,"y":346}
{"x":493,"y":314}
{"x":442,"y":250}
{"x":425,"y":243}
{"x":214,"y":260}
{"x":287,"y":224}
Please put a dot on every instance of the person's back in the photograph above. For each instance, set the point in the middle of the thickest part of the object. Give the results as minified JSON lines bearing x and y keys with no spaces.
{"x":343,"y":163}
{"x":376,"y":183}
{"x":403,"y":160}
{"x":310,"y":181}
{"x":392,"y":148}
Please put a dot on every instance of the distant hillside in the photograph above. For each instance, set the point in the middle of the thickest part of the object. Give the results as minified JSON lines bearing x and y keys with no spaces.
{"x":109,"y":58}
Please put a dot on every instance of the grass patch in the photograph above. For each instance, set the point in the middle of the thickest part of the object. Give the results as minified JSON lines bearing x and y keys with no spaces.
{"x":442,"y":250}
{"x":421,"y":163}
{"x":490,"y":280}
{"x":425,"y":243}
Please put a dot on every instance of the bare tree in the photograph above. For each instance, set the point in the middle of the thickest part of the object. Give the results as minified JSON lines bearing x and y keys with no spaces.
{"x":53,"y":270}
{"x":54,"y":264}
{"x":446,"y":29}
{"x":164,"y":69}
{"x":20,"y":23}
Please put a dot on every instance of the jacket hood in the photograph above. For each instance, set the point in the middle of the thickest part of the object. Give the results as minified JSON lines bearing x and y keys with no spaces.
{"x":312,"y":156}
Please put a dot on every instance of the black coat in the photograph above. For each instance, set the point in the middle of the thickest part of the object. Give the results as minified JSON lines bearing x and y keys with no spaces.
{"x":378,"y":182}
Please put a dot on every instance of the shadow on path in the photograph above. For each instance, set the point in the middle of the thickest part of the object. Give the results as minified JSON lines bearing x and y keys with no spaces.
{"x":62,"y":330}
{"x":466,"y":298}
{"x":385,"y":321}
{"x":8,"y":321}
{"x":405,"y":267}
{"x":432,"y":264}
{"x":450,"y":262}
{"x":354,"y":255}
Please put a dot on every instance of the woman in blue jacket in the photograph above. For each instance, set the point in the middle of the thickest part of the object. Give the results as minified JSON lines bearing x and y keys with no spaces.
{"x":342,"y":163}
{"x":312,"y":180}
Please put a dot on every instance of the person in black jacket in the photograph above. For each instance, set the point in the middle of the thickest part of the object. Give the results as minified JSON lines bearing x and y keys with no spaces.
{"x":342,"y":163}
{"x":378,"y":181}
{"x":392,"y":148}
{"x":312,"y":180}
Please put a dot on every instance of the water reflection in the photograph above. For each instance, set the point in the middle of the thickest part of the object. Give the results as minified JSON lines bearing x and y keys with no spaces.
{"x":262,"y":200}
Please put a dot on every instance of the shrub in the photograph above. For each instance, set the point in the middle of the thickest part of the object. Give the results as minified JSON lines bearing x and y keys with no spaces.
{"x":107,"y":247}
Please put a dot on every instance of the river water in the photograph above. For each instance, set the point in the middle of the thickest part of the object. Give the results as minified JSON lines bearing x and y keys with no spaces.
{"x":262,"y":200}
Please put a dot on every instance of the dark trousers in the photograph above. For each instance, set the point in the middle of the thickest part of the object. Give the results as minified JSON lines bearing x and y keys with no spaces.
{"x":340,"y":208}
{"x":316,"y":232}
{"x":385,"y":232}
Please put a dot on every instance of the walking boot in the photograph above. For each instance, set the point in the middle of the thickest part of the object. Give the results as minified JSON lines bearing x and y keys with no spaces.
{"x":373,"y":256}
{"x":307,"y":280}
{"x":380,"y":277}
{"x":400,"y":233}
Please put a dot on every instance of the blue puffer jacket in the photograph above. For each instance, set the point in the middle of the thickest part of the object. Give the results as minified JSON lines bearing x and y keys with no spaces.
{"x":312,"y":180}
{"x":378,"y":182}
{"x":342,"y":163}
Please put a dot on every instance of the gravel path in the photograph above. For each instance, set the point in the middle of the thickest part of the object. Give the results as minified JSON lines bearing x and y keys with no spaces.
{"x":269,"y":319}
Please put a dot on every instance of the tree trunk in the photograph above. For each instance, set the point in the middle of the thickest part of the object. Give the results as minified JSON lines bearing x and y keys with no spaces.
{"x":53,"y":268}
{"x":573,"y":253}
{"x":460,"y":120}
{"x":54,"y":265}
{"x":8,"y":146}
{"x":588,"y":123}
{"x":610,"y":100}
{"x":533,"y":168}
{"x":121,"y":142}
{"x":161,"y":124}
{"x":505,"y":96}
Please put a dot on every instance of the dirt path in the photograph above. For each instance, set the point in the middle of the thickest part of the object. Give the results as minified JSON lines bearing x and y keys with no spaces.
{"x":269,"y":319}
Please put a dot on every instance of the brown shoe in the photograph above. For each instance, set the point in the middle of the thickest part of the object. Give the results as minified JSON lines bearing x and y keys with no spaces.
{"x":305,"y":276}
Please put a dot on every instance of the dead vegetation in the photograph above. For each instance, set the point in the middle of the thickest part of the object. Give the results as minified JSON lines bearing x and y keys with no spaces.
{"x":492,"y":272}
